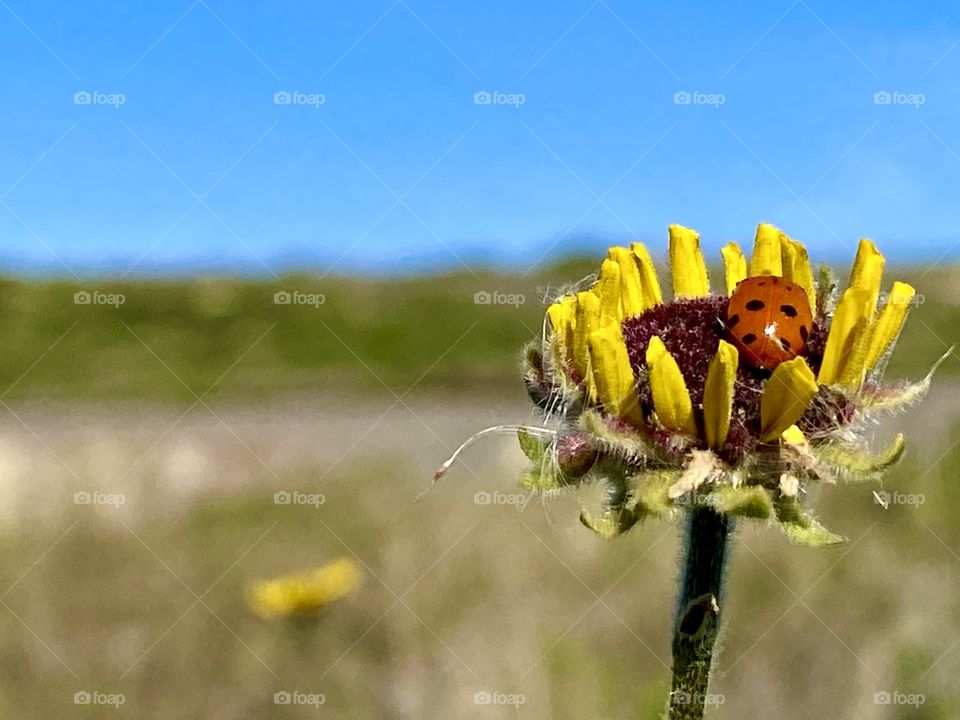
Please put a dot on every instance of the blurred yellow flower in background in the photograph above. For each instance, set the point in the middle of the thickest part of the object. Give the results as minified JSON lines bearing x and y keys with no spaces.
{"x":306,"y":593}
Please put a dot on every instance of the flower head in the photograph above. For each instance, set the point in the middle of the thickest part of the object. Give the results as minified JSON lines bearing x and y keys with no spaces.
{"x":685,"y":402}
{"x":304,"y":594}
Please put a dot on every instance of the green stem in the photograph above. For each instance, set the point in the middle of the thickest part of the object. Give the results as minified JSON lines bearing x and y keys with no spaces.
{"x":707,"y":542}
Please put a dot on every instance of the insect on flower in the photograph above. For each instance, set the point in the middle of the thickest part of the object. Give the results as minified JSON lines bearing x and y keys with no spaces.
{"x":769,"y":320}
{"x":737,"y":400}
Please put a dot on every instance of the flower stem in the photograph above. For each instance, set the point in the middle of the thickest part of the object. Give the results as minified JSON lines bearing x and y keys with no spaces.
{"x":699,"y":605}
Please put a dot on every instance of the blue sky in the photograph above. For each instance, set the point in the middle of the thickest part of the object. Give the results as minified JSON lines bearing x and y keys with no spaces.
{"x":182,"y":160}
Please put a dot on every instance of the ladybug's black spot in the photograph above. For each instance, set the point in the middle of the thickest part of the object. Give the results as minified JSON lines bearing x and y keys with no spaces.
{"x":785,"y":343}
{"x":749,"y":339}
{"x":732,"y":321}
{"x":755,"y":305}
{"x":788,"y":310}
{"x":804,"y":333}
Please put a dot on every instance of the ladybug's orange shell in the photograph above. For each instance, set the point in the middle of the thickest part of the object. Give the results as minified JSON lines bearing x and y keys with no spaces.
{"x":769,"y":320}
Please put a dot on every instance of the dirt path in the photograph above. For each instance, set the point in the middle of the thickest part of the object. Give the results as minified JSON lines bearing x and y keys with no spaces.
{"x":162,"y":458}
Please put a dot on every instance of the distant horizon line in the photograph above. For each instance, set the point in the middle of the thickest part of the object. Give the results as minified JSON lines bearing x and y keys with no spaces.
{"x":470,"y":258}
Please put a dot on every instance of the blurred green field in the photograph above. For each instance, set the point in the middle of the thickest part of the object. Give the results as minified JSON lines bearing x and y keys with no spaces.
{"x":146,"y":598}
{"x":366,"y":332}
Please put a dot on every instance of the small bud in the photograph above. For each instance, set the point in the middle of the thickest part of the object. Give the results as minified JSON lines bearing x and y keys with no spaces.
{"x":575,"y":454}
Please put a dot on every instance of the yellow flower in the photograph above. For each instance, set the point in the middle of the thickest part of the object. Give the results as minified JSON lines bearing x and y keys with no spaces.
{"x":305,"y":593}
{"x":858,"y":339}
{"x":654,"y":385}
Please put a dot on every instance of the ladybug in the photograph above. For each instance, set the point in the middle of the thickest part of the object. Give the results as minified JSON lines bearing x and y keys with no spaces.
{"x":769,"y":320}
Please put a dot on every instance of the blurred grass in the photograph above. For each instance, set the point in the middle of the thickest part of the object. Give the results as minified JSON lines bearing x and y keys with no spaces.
{"x":503,"y":600}
{"x":426,"y":331}
{"x":494,"y":598}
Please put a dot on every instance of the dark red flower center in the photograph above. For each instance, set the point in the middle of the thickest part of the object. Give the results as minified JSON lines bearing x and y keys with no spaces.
{"x":691,"y":330}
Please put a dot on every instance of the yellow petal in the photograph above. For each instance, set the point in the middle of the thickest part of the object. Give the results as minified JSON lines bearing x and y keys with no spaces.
{"x":734,"y":265}
{"x":613,"y":375}
{"x":563,"y":317}
{"x":555,"y":313}
{"x":786,"y":397}
{"x":607,"y":289}
{"x":889,"y":323}
{"x":865,"y":276}
{"x":632,"y":301}
{"x":648,"y":275}
{"x":867,"y":271}
{"x":718,"y":394}
{"x":670,"y":397}
{"x":766,"y":258}
{"x":796,"y":267}
{"x":794,"y":436}
{"x":587,"y":320}
{"x":845,"y":349}
{"x":687,"y":264}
